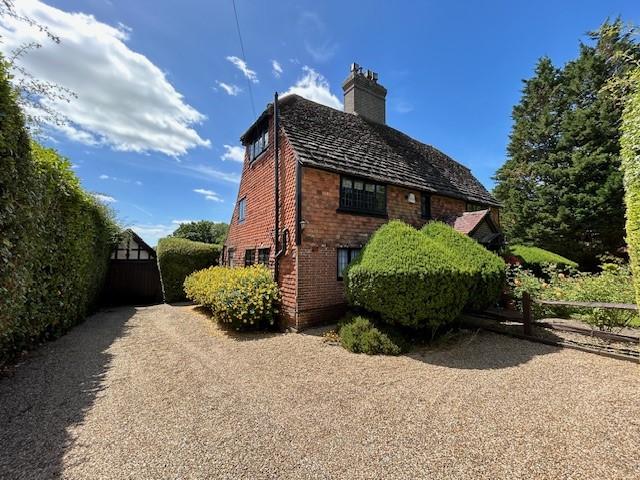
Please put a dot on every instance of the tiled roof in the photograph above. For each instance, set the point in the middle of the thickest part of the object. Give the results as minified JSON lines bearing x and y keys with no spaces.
{"x":468,"y":221}
{"x":330,"y":139}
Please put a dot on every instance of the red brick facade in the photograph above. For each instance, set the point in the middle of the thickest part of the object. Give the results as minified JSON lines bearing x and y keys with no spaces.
{"x":308,"y":279}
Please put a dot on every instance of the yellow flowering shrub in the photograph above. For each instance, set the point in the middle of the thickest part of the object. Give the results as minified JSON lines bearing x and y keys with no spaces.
{"x":243,"y":298}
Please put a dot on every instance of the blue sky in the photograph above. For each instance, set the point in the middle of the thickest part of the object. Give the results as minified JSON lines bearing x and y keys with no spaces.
{"x":162,"y":95}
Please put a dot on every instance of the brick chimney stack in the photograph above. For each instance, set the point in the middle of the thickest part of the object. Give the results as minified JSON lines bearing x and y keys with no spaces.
{"x":363,"y":95}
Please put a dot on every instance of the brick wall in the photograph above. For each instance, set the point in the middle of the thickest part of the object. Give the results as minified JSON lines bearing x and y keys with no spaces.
{"x":257,"y":187}
{"x":320,"y":293}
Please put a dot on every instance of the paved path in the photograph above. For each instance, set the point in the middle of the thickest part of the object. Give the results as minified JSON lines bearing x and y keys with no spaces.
{"x":159,"y":392}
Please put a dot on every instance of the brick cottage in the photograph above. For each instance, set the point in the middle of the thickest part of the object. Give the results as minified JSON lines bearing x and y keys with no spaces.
{"x":341,"y":175}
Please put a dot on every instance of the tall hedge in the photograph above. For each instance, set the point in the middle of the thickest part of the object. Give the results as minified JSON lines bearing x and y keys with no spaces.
{"x":178,"y":258}
{"x":630,"y":142}
{"x":487,"y":267}
{"x":408,"y":278}
{"x":55,"y":239}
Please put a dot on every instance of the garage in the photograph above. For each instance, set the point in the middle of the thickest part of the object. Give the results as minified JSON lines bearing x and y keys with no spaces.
{"x":133,"y":277}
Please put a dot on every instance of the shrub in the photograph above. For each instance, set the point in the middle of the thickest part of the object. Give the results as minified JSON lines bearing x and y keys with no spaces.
{"x":178,"y":258}
{"x":613,"y":285}
{"x":55,"y":238}
{"x":488,"y":268}
{"x":630,"y":143}
{"x":535,"y":258}
{"x":243,"y":298}
{"x":407,"y":278}
{"x":360,"y":335}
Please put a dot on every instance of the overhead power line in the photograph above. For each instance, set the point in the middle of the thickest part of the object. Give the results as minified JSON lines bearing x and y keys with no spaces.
{"x":244,"y":57}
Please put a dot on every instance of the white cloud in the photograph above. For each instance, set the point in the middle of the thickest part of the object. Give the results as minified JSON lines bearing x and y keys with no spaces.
{"x":118,"y":179}
{"x":276,"y":68}
{"x":315,"y":87}
{"x":123,"y":99}
{"x":210,"y":172}
{"x":229,"y":88}
{"x":209,"y":194}
{"x":151,"y":233}
{"x":244,"y":68}
{"x":180,"y":222}
{"x":318,"y":41}
{"x":233,"y":152}
{"x":104,"y":198}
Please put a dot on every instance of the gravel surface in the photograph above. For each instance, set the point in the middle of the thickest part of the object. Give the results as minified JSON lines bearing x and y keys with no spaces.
{"x":159,"y":392}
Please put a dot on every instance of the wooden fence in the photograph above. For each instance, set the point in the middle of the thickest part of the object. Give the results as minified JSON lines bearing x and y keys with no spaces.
{"x":528,"y":321}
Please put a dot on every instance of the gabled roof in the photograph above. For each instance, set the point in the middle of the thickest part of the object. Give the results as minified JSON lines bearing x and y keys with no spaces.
{"x":468,"y":222}
{"x":333,"y":140}
{"x":144,"y":245}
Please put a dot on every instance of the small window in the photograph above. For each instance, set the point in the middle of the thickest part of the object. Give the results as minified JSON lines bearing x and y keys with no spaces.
{"x":230,"y":254}
{"x":474,"y":207}
{"x":260,"y":142}
{"x":263,"y":256}
{"x":345,"y":257}
{"x":249,"y":257}
{"x":363,"y":196}
{"x":242,"y":207}
{"x":425,"y":206}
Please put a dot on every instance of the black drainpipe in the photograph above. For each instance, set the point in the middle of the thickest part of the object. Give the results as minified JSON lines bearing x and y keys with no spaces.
{"x":276,"y":172}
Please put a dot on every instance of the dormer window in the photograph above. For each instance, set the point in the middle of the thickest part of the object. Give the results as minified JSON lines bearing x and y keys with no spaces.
{"x":260,"y":141}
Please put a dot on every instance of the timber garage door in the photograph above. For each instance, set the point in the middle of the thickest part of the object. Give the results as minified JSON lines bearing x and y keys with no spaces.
{"x":133,"y":277}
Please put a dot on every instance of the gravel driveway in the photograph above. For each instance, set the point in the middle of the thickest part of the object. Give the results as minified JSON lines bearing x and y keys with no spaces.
{"x":159,"y":392}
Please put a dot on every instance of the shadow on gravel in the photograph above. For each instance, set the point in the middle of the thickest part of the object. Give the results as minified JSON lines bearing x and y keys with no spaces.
{"x":50,"y":393}
{"x":481,"y":350}
{"x":228,"y":332}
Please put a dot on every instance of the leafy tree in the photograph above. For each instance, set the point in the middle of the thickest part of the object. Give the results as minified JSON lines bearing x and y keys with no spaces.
{"x":561,"y":186}
{"x":204,"y":231}
{"x":34,"y":90}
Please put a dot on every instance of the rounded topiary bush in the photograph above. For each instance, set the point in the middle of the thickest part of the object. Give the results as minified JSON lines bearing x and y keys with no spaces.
{"x":408,"y":278}
{"x":243,"y":298}
{"x":489,"y":270}
{"x":179,"y":257}
{"x":361,"y":335}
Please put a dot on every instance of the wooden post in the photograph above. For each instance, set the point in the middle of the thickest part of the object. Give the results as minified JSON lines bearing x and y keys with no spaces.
{"x":527,"y":313}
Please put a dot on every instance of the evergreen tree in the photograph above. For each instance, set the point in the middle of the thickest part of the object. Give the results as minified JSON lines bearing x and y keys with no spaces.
{"x":561,"y":186}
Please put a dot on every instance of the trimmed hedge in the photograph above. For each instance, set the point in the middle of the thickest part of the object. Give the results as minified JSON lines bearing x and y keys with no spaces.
{"x":630,"y":142}
{"x":243,"y":298}
{"x":361,"y":335}
{"x":408,"y":278}
{"x":535,"y":258}
{"x":55,"y":239}
{"x":178,"y":258}
{"x":488,"y":269}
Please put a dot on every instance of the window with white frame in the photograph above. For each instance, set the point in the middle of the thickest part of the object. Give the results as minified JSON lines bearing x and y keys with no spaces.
{"x":242,"y":209}
{"x":345,"y":257}
{"x":260,"y":142}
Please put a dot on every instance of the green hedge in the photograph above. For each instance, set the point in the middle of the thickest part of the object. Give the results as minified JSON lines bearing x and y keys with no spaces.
{"x":360,"y":335}
{"x":178,"y":258}
{"x":630,"y":142}
{"x":487,"y":267}
{"x":243,"y":298}
{"x":535,"y":258}
{"x":55,"y":239}
{"x":408,"y":278}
